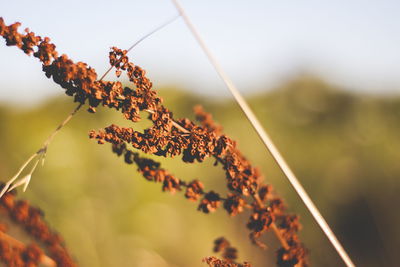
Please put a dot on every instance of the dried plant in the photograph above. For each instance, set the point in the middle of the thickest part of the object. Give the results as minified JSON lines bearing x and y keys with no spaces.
{"x":15,"y":253}
{"x":166,"y":137}
{"x":229,"y":255}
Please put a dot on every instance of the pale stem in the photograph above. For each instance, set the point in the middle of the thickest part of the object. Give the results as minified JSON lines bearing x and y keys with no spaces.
{"x":141,"y":39}
{"x":268,"y":142}
{"x":7,"y":185}
{"x":40,"y":154}
{"x":43,"y":149}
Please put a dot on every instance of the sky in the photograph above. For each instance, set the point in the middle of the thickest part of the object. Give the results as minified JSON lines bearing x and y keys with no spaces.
{"x":260,"y":44}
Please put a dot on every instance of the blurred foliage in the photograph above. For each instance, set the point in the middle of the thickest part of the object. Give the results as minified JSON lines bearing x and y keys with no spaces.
{"x":344,"y":148}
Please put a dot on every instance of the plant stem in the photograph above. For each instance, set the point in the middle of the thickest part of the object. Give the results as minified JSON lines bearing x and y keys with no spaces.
{"x":279,"y":236}
{"x":275,"y":228}
{"x":52,"y":135}
{"x":268,"y":142}
{"x":40,"y":153}
{"x":141,"y":39}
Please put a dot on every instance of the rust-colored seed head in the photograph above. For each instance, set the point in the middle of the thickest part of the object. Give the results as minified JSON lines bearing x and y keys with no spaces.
{"x":167,"y":137}
{"x":31,"y":220}
{"x":229,"y":255}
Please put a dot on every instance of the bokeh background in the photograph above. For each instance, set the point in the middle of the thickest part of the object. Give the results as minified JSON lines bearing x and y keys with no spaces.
{"x":322,"y":77}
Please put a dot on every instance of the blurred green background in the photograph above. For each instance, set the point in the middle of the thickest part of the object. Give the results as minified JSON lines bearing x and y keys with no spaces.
{"x":343,"y":146}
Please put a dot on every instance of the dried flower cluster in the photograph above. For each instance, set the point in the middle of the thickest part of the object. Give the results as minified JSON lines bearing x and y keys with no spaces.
{"x":169,"y":137}
{"x":16,"y":256}
{"x":229,"y":255}
{"x":215,"y":262}
{"x":268,"y":210}
{"x":31,"y":220}
{"x":80,"y":80}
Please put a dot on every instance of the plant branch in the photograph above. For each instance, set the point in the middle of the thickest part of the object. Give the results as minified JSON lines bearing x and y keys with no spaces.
{"x":41,"y":153}
{"x":278,"y":234}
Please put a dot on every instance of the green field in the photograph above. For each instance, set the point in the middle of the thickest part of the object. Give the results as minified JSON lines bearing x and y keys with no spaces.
{"x":344,"y":148}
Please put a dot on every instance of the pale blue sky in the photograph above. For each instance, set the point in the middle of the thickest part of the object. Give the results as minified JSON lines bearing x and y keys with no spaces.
{"x":355,"y":44}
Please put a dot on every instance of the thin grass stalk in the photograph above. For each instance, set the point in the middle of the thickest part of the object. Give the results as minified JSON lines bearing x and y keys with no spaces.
{"x":38,"y":155}
{"x":268,"y":142}
{"x":169,"y":21}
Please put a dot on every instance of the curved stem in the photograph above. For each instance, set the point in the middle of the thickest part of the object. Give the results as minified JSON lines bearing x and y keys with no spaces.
{"x":141,"y":39}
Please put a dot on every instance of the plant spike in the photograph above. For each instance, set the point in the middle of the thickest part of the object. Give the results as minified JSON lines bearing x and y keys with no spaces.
{"x":41,"y":153}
